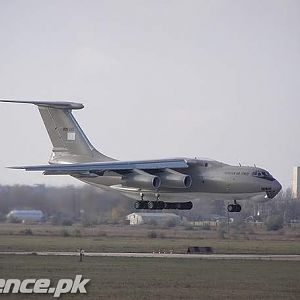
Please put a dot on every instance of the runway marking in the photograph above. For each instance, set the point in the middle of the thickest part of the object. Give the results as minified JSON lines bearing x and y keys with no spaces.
{"x":295,"y":257}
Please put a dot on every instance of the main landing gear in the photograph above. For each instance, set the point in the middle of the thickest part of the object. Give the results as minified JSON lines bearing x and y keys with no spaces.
{"x":159,"y":205}
{"x":234,"y":207}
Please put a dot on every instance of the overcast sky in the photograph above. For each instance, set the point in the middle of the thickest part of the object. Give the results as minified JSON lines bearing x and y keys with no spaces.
{"x":216,"y":79}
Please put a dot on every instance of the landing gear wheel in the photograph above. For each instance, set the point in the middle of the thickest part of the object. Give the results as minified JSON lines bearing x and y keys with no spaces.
{"x":139,"y":205}
{"x":151,"y":205}
{"x":170,"y":205}
{"x":160,"y":205}
{"x":234,"y":208}
{"x":178,"y":205}
{"x":231,"y":208}
{"x":186,"y":205}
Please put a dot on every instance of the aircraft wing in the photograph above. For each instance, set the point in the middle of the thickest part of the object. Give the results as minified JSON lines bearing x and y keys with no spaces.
{"x":100,"y":167}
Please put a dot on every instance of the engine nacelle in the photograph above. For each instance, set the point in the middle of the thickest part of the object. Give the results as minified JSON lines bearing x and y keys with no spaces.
{"x":145,"y":181}
{"x":172,"y":179}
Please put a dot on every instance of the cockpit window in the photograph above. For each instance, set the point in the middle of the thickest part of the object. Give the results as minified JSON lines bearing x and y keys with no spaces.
{"x":262,"y":174}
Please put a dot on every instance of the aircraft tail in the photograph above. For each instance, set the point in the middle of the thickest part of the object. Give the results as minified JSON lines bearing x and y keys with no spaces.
{"x":70,"y":144}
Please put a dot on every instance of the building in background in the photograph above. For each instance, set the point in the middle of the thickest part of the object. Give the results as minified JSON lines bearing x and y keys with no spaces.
{"x":152,"y":218}
{"x":25,"y":215}
{"x":296,"y":183}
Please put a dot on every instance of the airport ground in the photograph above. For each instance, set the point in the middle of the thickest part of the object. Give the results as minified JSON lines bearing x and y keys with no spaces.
{"x":155,"y":278}
{"x":124,"y":238}
{"x":159,"y":278}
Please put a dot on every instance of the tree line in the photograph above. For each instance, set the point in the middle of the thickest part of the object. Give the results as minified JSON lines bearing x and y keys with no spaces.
{"x":96,"y":206}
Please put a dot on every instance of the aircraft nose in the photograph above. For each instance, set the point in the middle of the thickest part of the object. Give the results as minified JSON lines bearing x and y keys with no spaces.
{"x":275,"y":189}
{"x":277,"y":186}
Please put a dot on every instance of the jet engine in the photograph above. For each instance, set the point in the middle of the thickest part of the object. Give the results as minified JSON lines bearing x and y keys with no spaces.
{"x":173,"y":179}
{"x":140,"y":180}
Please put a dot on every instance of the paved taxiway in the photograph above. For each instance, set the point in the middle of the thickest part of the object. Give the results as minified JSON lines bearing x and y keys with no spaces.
{"x":166,"y":255}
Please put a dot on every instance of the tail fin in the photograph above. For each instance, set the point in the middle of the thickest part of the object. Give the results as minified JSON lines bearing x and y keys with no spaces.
{"x":70,"y":144}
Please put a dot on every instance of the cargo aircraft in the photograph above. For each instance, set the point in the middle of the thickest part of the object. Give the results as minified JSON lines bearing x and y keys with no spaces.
{"x":171,"y":183}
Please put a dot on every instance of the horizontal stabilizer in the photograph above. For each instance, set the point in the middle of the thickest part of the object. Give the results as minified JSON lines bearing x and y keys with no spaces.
{"x":107,"y":166}
{"x":53,"y":104}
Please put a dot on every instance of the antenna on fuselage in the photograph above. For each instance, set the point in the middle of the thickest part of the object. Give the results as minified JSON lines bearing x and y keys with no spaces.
{"x":240,"y":164}
{"x":255,"y":165}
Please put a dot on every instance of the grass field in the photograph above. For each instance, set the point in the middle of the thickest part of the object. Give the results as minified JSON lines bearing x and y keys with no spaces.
{"x":143,"y":244}
{"x":153,"y":278}
{"x":159,"y":278}
{"x":136,"y":239}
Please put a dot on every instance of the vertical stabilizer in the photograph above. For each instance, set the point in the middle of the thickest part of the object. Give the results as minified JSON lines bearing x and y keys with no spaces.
{"x":70,"y":144}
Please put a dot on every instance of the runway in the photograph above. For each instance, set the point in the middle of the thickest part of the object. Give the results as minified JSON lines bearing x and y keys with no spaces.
{"x":281,"y":257}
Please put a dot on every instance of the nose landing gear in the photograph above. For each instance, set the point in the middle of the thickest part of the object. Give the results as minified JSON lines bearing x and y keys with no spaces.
{"x":234,"y":207}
